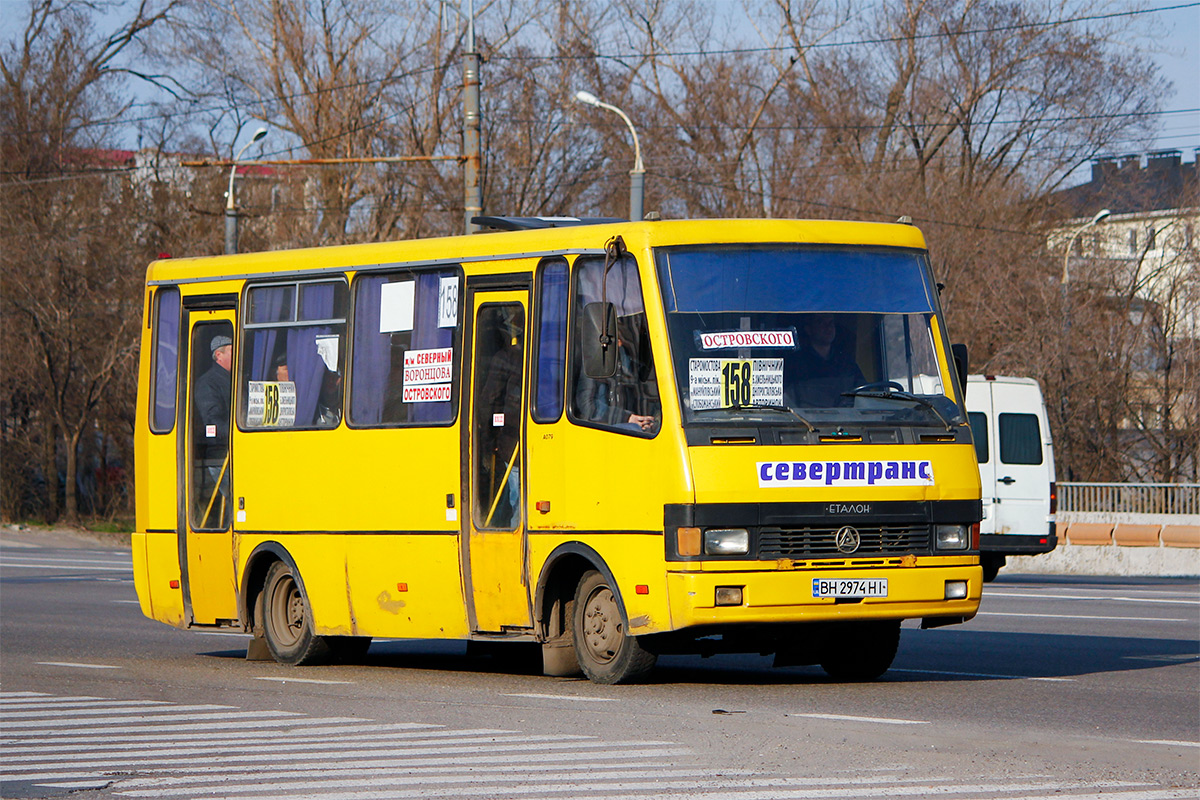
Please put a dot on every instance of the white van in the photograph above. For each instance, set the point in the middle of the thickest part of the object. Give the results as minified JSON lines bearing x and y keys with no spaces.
{"x":1016,"y":468}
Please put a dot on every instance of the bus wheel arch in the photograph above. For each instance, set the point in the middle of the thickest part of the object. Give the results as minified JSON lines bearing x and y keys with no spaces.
{"x":254,"y":577}
{"x":276,"y":607}
{"x":553,"y":604}
{"x":574,"y":574}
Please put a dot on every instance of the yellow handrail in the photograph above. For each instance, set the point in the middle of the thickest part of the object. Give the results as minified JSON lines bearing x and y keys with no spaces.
{"x":216,"y":491}
{"x":503,"y":483}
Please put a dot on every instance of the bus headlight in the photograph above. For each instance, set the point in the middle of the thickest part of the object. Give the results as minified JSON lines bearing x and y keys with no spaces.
{"x":952,"y":537}
{"x":726,"y":542}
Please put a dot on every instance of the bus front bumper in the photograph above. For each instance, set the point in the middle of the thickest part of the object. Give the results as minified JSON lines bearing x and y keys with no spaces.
{"x":789,"y":595}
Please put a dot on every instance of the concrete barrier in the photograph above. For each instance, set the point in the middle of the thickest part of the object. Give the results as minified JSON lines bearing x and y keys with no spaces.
{"x":1151,"y":545}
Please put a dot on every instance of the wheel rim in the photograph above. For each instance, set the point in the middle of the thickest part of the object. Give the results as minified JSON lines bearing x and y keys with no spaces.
{"x":287,"y":612}
{"x":602,"y":628}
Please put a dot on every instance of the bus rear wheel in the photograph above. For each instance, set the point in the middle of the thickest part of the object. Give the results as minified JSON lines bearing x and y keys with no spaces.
{"x":606,"y":652}
{"x":861,"y":651}
{"x":287,"y":620}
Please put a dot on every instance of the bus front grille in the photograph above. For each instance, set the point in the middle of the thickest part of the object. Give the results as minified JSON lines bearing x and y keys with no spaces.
{"x":822,"y":542}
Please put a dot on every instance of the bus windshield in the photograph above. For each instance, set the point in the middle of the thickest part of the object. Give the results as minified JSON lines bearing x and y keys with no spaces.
{"x":812,"y":335}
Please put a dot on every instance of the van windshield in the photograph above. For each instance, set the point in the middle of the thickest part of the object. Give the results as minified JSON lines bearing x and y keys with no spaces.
{"x":795,"y":335}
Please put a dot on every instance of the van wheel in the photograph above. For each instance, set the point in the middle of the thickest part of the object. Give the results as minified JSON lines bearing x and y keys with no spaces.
{"x":287,"y":620}
{"x":861,"y":651}
{"x":991,"y":564}
{"x":607,"y":653}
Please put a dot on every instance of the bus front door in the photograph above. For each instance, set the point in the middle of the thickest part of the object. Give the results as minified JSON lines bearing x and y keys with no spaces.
{"x":205,"y":532}
{"x":494,"y":526}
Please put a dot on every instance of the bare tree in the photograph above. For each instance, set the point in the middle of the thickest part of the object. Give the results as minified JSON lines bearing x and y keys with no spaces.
{"x":70,"y":294}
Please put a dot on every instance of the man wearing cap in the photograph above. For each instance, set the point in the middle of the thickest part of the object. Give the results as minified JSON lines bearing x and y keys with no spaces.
{"x":212,"y":393}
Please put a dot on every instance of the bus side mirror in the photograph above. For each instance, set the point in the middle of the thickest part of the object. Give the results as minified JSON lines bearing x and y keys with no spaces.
{"x":961,"y":363}
{"x":599,"y":331}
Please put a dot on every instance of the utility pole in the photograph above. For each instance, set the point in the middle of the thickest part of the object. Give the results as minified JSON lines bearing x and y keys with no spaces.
{"x":472,"y":155}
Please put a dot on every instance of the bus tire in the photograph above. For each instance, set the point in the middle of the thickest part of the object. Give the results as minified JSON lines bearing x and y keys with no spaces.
{"x":287,"y":620}
{"x":861,"y":651}
{"x":991,"y":564}
{"x":606,"y":652}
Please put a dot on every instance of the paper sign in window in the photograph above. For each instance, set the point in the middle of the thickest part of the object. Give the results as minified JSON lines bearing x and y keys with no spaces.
{"x":271,"y":404}
{"x":327,"y":349}
{"x":729,"y":382}
{"x":448,"y":302}
{"x":396,"y":306}
{"x":725,"y":340}
{"x":428,"y":375}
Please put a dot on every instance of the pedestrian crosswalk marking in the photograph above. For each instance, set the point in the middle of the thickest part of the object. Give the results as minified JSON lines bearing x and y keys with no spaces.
{"x":153,"y":749}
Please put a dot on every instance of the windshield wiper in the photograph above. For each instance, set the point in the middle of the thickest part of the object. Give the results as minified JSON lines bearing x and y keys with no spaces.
{"x":763,"y":407}
{"x":898,"y":394}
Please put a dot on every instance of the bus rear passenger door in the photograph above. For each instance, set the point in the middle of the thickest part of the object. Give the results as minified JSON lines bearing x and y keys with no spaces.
{"x":206,"y":545}
{"x":497,"y":593}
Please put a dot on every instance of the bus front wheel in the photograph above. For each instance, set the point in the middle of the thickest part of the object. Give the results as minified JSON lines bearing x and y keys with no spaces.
{"x":607,"y":653}
{"x":991,"y":564}
{"x":287,"y":620}
{"x":861,"y":651}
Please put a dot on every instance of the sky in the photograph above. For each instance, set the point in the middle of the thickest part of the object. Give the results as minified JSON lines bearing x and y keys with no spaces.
{"x":1175,"y":47}
{"x":1180,"y":63}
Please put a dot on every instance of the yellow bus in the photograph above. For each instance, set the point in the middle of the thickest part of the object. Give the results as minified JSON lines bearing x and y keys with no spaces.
{"x":614,"y":440}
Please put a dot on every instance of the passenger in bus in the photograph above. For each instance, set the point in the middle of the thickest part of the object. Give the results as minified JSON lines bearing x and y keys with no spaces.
{"x":213,"y":391}
{"x":501,"y":425}
{"x":328,"y":411}
{"x":628,"y":399}
{"x":824,"y":366}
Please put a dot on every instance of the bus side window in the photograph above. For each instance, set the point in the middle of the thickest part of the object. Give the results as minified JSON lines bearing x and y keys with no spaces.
{"x":550,"y":359}
{"x":294,"y":359}
{"x":406,"y":348}
{"x":628,"y":401}
{"x":166,"y":360}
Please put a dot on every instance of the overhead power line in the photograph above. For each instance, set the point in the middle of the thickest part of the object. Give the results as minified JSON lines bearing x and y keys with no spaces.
{"x":855,"y":43}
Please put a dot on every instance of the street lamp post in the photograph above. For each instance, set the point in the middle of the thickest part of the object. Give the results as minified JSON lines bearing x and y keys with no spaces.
{"x":637,"y":175}
{"x":231,"y":215}
{"x":1101,"y":215}
{"x":1064,"y":364}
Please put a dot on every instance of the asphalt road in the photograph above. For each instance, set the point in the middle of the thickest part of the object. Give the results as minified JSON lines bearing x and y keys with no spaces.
{"x":1060,"y":688}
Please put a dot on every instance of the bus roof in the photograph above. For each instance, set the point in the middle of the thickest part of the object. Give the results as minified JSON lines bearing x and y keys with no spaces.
{"x":524,"y":243}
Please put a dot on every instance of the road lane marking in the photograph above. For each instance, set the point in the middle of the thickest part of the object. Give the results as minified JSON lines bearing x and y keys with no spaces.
{"x":316,"y":733}
{"x":521,"y":760}
{"x":86,"y":712}
{"x":847,"y":718}
{"x":741,"y":789}
{"x":562,"y":697}
{"x":981,"y":675}
{"x":522,"y":772}
{"x":29,"y":760}
{"x":72,"y":664}
{"x":300,"y":680}
{"x":9,"y":565}
{"x":380,"y":755}
{"x":166,"y":716}
{"x":367,"y":733}
{"x":1167,"y":742}
{"x":1093,"y":598}
{"x":1079,"y":616}
{"x":249,"y":720}
{"x":4,"y":560}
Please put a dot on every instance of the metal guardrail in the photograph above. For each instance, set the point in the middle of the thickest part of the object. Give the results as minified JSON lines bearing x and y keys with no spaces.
{"x":1130,"y":498}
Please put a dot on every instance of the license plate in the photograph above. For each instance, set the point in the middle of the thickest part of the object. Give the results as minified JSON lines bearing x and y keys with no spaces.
{"x":850,"y":587}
